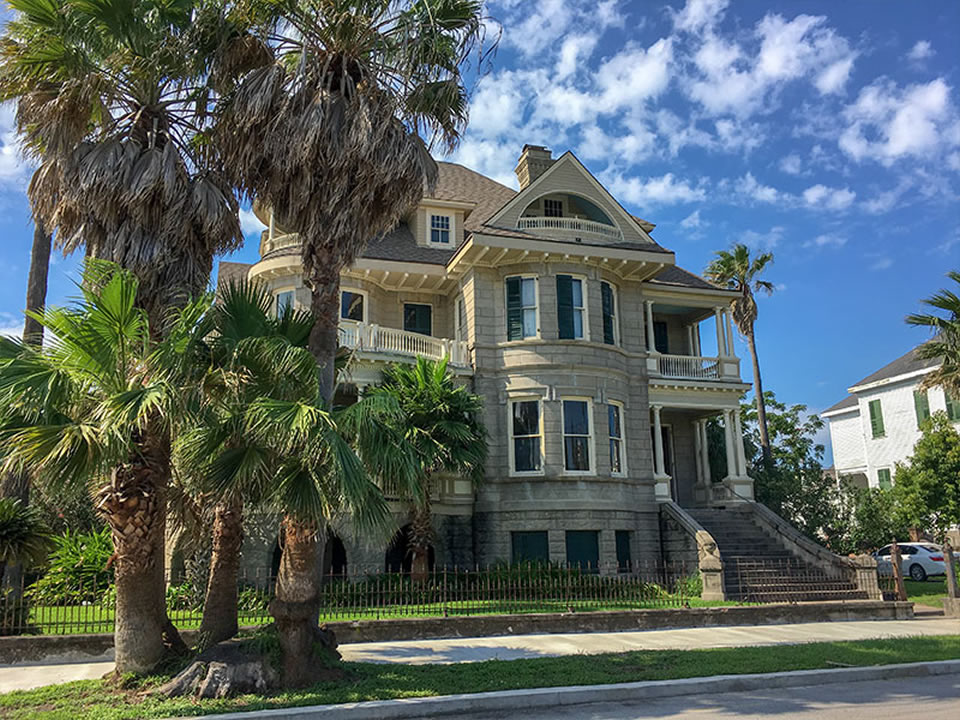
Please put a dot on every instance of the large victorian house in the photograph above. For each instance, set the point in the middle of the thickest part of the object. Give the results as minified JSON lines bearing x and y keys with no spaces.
{"x":584,"y":338}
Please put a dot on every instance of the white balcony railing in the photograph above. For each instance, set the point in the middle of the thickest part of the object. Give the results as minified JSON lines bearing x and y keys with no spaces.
{"x":269,"y":243}
{"x":690,"y":367}
{"x":570,"y":226}
{"x":365,"y":337}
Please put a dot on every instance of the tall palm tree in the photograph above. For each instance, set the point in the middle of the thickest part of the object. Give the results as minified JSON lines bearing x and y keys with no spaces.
{"x":440,"y":419}
{"x":945,"y":346}
{"x":25,"y":538}
{"x":113,"y":101}
{"x":736,"y":270}
{"x":96,"y":405}
{"x":327,"y":134}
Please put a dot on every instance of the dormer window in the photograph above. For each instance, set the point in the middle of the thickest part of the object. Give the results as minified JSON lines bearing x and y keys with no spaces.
{"x":552,"y":208}
{"x":440,"y":229}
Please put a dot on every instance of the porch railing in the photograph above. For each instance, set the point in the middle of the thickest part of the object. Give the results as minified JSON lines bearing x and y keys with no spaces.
{"x":569,"y":225}
{"x":693,"y":367}
{"x":367,"y":337}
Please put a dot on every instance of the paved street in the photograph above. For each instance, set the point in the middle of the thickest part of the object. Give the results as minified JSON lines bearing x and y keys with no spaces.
{"x":457,"y":650}
{"x":936,"y":698}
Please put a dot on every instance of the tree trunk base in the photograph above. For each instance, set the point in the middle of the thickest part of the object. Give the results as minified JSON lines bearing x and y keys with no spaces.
{"x":253,"y":665}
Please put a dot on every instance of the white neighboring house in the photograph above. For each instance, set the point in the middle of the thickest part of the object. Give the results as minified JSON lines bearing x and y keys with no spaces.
{"x":877,"y":425}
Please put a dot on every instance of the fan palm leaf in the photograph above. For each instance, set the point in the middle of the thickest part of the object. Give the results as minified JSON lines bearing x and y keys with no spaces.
{"x":944,"y":322}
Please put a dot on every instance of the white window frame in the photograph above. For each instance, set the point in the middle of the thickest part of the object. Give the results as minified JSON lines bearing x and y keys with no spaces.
{"x":403,"y":312}
{"x":563,"y":207}
{"x":460,"y":321}
{"x":276,"y":298}
{"x":585,"y":308}
{"x":448,"y":230}
{"x":591,"y":437}
{"x":366,"y":304}
{"x":513,"y":472}
{"x":536,"y":307}
{"x":616,"y":312}
{"x":622,"y":439}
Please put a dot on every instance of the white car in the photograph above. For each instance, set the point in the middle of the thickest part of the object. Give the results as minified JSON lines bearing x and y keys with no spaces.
{"x":918,"y":560}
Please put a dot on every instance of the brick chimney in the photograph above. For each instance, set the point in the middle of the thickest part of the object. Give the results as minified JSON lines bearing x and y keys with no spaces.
{"x":534,"y":161}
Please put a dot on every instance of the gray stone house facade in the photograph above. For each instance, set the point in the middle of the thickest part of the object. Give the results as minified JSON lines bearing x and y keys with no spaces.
{"x":582,"y":335}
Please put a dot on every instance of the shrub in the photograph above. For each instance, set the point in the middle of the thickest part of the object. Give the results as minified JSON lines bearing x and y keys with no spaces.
{"x":77,"y":571}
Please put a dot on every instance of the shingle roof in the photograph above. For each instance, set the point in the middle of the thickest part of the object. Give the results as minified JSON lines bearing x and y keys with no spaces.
{"x":677,"y":276}
{"x":456,"y":182}
{"x":850,"y":401}
{"x":228,"y":271}
{"x":907,"y":363}
{"x":399,"y":244}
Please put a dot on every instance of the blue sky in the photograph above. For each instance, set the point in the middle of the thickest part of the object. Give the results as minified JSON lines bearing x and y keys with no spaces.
{"x":825,"y":132}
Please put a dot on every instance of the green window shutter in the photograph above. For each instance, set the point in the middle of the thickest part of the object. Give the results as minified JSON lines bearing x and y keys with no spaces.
{"x":660,"y":342}
{"x":530,"y":547}
{"x":606,"y":301}
{"x":883,"y":478}
{"x":921,"y":405}
{"x":514,"y":309}
{"x":876,"y":418}
{"x":953,"y":407}
{"x":565,"y":307}
{"x":583,"y":549}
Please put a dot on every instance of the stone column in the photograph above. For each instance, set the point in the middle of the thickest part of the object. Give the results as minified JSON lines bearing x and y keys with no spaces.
{"x":732,"y":470}
{"x":651,"y":343}
{"x":658,"y":467}
{"x":705,"y":452}
{"x":738,"y":443}
{"x":697,"y":454}
{"x":721,"y":345}
{"x":730,"y":350}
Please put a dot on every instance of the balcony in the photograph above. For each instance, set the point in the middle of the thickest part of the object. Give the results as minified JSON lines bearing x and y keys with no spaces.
{"x":367,"y":338}
{"x":694,"y":367}
{"x":277,"y":241}
{"x":572,"y":228}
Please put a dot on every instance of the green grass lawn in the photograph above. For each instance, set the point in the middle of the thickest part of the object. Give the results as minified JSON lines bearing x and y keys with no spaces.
{"x":96,"y":700}
{"x":74,"y":619}
{"x":930,"y":592}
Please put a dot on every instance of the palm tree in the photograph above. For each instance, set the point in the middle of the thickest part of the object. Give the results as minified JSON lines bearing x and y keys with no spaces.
{"x":945,"y":346}
{"x":440,"y":419}
{"x":736,"y":270}
{"x":97,"y":405}
{"x":25,"y":538}
{"x":327,"y":135}
{"x":246,"y":346}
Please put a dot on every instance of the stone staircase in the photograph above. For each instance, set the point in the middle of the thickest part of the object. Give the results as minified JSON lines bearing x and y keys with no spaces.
{"x":759,"y":566}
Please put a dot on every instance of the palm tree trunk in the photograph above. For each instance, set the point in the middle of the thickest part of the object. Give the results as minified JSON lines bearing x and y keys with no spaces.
{"x":134,"y":505}
{"x":306,"y":650}
{"x":421,"y":534}
{"x":761,"y":404}
{"x":220,"y":604}
{"x":17,"y":484}
{"x":325,"y":305}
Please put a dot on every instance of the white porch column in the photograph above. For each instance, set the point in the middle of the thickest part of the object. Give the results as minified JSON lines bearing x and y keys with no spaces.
{"x":738,"y":444}
{"x":704,"y":452}
{"x":661,"y":479}
{"x":721,"y":345}
{"x":695,"y":328}
{"x":697,"y":454}
{"x":651,"y":344}
{"x":730,"y":350}
{"x":270,"y":234}
{"x":690,"y":347}
{"x":732,"y":470}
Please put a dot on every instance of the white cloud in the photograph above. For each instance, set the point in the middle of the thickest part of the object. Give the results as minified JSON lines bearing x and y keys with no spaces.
{"x":920,"y":51}
{"x":827,"y":239}
{"x":11,"y":325}
{"x":791,"y":164}
{"x":887,"y":123}
{"x":885,"y":201}
{"x":663,"y":190}
{"x":699,"y":15}
{"x":692,"y":221}
{"x":14,"y":171}
{"x":762,"y":241}
{"x":834,"y":78}
{"x":821,"y":196}
{"x":748,"y":185}
{"x":631,"y":146}
{"x":881,"y":263}
{"x":574,"y":51}
{"x":250,"y":224}
{"x":634,"y":75}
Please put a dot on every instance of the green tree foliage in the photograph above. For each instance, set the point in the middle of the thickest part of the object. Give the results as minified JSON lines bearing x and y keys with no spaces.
{"x":78,"y":570}
{"x":945,"y":346}
{"x":927,"y":486}
{"x":24,"y":536}
{"x":867,"y":519}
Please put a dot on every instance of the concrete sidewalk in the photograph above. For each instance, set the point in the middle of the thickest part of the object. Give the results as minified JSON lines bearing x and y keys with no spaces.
{"x":456,"y":650}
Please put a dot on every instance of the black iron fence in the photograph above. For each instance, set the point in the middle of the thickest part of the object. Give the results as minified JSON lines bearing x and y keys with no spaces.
{"x":88,"y":606}
{"x":778,"y":580}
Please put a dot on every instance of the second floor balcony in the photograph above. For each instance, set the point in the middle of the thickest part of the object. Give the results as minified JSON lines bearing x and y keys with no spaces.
{"x":694,"y":367}
{"x":571,"y":228}
{"x":383,"y":343}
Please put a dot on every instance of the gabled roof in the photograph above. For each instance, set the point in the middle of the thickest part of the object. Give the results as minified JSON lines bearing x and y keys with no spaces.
{"x":904,"y":365}
{"x":678,"y":277}
{"x":848,"y":403}
{"x":569,"y":158}
{"x":456,"y":182}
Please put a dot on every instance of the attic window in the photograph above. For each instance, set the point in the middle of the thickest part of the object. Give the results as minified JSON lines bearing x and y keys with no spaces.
{"x":440,"y":229}
{"x":553,"y":208}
